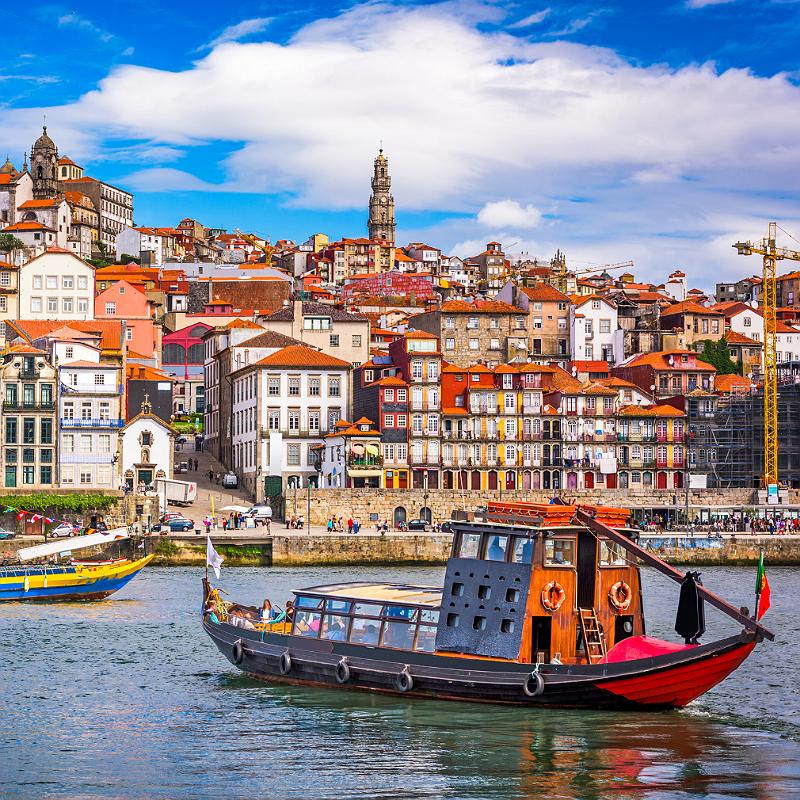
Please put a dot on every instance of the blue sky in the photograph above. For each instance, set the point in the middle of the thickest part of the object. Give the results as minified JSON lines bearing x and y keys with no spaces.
{"x":615,"y":131}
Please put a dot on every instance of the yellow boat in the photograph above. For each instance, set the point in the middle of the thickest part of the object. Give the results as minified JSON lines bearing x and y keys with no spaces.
{"x":70,"y":578}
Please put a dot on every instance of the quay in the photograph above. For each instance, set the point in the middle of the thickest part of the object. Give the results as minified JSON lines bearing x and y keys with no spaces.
{"x":317,"y":547}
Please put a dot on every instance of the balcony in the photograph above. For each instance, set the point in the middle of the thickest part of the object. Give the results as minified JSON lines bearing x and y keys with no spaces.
{"x":74,"y":422}
{"x":28,"y":406}
{"x":364,"y":464}
{"x":85,"y":458}
{"x":625,"y":436}
{"x":531,"y":409}
{"x":531,"y":436}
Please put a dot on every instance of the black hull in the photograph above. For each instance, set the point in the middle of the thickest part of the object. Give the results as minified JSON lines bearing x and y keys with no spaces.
{"x":661,"y":682}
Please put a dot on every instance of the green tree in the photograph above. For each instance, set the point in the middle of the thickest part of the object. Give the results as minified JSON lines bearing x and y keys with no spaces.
{"x":716,"y":353}
{"x":9,"y":242}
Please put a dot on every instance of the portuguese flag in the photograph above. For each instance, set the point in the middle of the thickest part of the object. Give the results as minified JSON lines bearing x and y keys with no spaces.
{"x":762,"y":588}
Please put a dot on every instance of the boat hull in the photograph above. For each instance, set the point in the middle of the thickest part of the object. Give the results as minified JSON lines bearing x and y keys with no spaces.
{"x":659,"y":682}
{"x":81,"y":582}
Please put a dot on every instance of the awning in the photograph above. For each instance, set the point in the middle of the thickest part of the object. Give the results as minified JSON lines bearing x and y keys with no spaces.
{"x":373,"y":450}
{"x":70,"y":544}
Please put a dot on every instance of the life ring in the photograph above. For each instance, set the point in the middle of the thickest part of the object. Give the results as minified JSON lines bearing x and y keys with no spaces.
{"x":342,"y":671}
{"x":285,"y":663}
{"x":534,"y":685}
{"x":238,"y":652}
{"x":620,"y":595}
{"x":553,"y":596}
{"x":404,"y":681}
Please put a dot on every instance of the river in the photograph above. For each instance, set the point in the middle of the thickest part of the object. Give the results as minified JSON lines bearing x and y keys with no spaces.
{"x":129,"y":699}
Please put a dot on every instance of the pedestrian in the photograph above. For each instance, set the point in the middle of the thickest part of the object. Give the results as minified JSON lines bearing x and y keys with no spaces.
{"x":329,"y":525}
{"x":195,"y":465}
{"x":207,"y":523}
{"x":211,"y":476}
{"x":268,"y":517}
{"x":350,"y":525}
{"x":356,"y":526}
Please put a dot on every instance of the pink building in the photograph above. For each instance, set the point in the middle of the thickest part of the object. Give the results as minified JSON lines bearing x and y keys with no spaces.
{"x":126,"y":302}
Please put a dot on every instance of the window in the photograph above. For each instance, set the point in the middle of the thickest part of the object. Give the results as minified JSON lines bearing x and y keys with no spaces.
{"x":559,"y":552}
{"x":334,"y":386}
{"x":313,"y":426}
{"x":104,"y":443}
{"x":46,"y":431}
{"x":273,"y":420}
{"x":5,"y":278}
{"x":369,"y":376}
{"x":605,"y":326}
{"x":449,"y":344}
{"x":496,"y":548}
{"x":401,"y":421}
{"x":334,"y":340}
{"x":356,"y":340}
{"x":83,"y":283}
{"x":523,"y":554}
{"x":99,"y":379}
{"x":314,"y":386}
{"x":28,"y":430}
{"x":388,"y":421}
{"x":293,"y":455}
{"x":36,"y":305}
{"x":66,"y":305}
{"x":294,"y":387}
{"x":11,"y":475}
{"x":474,"y":344}
{"x":416,"y":370}
{"x":274,"y":387}
{"x":68,"y":282}
{"x":470,"y":545}
{"x":29,"y":474}
{"x":111,"y":309}
{"x":86,"y":476}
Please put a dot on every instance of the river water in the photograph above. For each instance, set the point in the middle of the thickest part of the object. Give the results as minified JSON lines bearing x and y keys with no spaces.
{"x":129,"y":699}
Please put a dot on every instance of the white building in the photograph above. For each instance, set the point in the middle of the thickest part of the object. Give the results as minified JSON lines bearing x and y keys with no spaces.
{"x":56,"y":285}
{"x":55,"y":214}
{"x":676,"y":286}
{"x":148,"y":448}
{"x":283,"y":406}
{"x":595,"y":334}
{"x":133,"y":241}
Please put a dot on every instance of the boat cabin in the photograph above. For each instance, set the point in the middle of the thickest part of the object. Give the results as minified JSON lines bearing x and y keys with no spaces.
{"x":526,"y":584}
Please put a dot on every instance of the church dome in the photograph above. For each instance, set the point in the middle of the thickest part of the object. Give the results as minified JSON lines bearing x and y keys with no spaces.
{"x":44,"y":142}
{"x":8,"y":168}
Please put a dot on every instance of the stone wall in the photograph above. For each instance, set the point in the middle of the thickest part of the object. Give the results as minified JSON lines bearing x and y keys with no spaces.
{"x":362,"y":503}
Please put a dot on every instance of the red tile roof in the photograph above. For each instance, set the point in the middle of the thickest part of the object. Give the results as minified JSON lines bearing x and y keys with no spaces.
{"x":479,"y":307}
{"x":544,"y":292}
{"x":300,"y":356}
{"x":689,"y":307}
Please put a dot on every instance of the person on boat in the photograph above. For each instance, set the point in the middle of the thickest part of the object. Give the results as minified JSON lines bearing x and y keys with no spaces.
{"x":289,"y":612}
{"x":268,"y":613}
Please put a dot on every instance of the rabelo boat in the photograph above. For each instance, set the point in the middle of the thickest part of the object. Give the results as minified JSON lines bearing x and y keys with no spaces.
{"x":541,"y":605}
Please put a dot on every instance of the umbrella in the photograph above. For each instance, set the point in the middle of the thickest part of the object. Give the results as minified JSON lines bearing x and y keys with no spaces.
{"x":243,"y":509}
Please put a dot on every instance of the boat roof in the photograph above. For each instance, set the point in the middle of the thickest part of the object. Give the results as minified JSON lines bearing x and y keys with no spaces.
{"x":71,"y":544}
{"x":378,"y":593}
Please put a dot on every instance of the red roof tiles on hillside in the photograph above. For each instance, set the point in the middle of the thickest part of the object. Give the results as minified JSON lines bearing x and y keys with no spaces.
{"x":300,"y":356}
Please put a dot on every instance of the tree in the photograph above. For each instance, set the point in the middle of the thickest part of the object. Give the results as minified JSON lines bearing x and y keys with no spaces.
{"x":9,"y":242}
{"x":716,"y":353}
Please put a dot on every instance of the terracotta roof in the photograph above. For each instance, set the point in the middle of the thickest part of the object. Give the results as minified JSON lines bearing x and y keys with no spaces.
{"x":727,"y":383}
{"x":27,"y":226}
{"x":243,"y":323}
{"x":689,"y":307}
{"x":109,"y":331}
{"x":582,"y":299}
{"x":49,"y":203}
{"x":270,"y":339}
{"x":415,"y":334}
{"x":650,"y":411}
{"x":562,"y":381}
{"x":782,"y":327}
{"x":544,"y":292}
{"x":733,"y":337}
{"x":391,"y":380}
{"x":142,"y":372}
{"x":479,"y":307}
{"x":336,"y":314}
{"x":25,"y":348}
{"x":595,"y":388}
{"x":453,"y":411}
{"x":618,"y":383}
{"x":67,"y":160}
{"x":507,"y":369}
{"x":7,"y":178}
{"x":80,"y":363}
{"x":591,"y":366}
{"x":659,"y":358}
{"x":300,"y":356}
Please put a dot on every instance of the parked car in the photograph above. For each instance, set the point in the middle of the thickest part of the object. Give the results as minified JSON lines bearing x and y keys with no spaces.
{"x":418,"y":525}
{"x":180,"y":440}
{"x":4,"y":534}
{"x":230,"y":481}
{"x":180,"y":525}
{"x":62,"y":529}
{"x":182,"y":467}
{"x":259,"y":511}
{"x":172,"y":515}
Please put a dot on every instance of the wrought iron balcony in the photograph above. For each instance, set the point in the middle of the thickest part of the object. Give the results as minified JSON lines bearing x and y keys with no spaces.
{"x":94,"y":422}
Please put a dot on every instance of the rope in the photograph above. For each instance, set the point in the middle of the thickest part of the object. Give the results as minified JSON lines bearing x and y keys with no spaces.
{"x":787,"y":233}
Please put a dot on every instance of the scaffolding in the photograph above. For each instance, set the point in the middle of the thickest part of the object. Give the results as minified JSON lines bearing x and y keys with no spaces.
{"x":733,"y":432}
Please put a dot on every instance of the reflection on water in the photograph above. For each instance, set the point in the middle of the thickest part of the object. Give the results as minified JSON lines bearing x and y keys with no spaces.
{"x":129,"y":699}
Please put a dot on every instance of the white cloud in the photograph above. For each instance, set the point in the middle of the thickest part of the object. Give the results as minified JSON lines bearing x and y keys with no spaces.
{"x":531,"y":19}
{"x":165,"y":179}
{"x":706,"y":3}
{"x":74,"y":20}
{"x":509,"y":213}
{"x":247,"y":27}
{"x":539,"y":124}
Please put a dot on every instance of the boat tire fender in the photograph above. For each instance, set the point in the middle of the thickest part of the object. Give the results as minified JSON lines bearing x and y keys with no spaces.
{"x":238,"y":652}
{"x":342,"y":671}
{"x":620,"y":595}
{"x":404,"y":681}
{"x":285,"y":663}
{"x":534,"y":685}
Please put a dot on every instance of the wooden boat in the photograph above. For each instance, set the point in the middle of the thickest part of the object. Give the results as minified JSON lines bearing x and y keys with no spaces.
{"x":35,"y":577}
{"x":538,"y":608}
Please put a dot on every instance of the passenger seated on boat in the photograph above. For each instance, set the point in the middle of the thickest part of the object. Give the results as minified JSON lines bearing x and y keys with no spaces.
{"x":268,"y":613}
{"x":364,"y":632}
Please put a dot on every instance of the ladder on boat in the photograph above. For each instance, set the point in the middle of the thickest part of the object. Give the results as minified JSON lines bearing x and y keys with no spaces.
{"x":593,"y":639}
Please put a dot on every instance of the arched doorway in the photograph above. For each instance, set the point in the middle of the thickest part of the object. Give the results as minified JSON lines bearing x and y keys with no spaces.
{"x":537,"y":480}
{"x":647,"y":479}
{"x":572,"y":480}
{"x":623,"y":480}
{"x":293,"y":482}
{"x":546,"y":479}
{"x":475,"y":479}
{"x":425,"y":513}
{"x":588,"y":480}
{"x":462,"y":479}
{"x":399,"y":516}
{"x":447,"y":480}
{"x":661,"y":480}
{"x":511,"y":479}
{"x":526,"y":480}
{"x":492,"y":479}
{"x":679,"y":480}
{"x":611,"y":480}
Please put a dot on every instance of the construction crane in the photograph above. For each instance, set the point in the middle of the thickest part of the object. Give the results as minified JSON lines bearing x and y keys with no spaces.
{"x":267,"y":248}
{"x":772,"y":254}
{"x":563,"y":273}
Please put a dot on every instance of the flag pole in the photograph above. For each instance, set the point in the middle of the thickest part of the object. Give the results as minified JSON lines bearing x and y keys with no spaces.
{"x":759,"y":582}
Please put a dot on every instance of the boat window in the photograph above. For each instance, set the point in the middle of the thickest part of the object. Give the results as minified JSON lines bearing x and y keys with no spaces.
{"x":365,"y":631}
{"x":523,"y":551}
{"x":470,"y":545}
{"x":398,"y":635}
{"x":559,"y":552}
{"x":429,"y":615}
{"x":611,"y":555}
{"x":426,"y":638}
{"x":308,"y":602}
{"x":339,"y":606}
{"x":366,"y":610}
{"x":496,"y":548}
{"x":400,"y":612}
{"x":334,"y":627}
{"x":306,"y":623}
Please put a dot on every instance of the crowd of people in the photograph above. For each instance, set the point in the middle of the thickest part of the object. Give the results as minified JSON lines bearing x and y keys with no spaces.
{"x":774,"y":524}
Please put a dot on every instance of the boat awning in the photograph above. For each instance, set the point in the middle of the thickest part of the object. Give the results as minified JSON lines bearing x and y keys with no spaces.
{"x":378,"y":593}
{"x":71,"y":544}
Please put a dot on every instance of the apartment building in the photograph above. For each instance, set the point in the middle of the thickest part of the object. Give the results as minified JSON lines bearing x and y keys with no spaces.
{"x":56,"y":285}
{"x":594,"y":329}
{"x":350,"y":456}
{"x":283,"y":405}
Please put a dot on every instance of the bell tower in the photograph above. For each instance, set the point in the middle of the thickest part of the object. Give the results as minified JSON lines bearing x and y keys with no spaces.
{"x":381,"y":224}
{"x":44,"y":166}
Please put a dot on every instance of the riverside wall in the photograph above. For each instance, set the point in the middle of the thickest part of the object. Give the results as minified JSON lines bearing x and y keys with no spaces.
{"x":363,"y":503}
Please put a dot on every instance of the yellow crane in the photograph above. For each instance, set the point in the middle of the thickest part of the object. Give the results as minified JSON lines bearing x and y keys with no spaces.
{"x":768,"y":248}
{"x":563,"y":273}
{"x":267,"y":248}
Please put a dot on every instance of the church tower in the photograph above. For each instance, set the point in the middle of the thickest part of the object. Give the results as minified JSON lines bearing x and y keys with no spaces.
{"x":381,"y":203}
{"x":44,"y":166}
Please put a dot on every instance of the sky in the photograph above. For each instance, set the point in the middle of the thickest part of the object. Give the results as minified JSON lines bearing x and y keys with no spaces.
{"x":657,"y":132}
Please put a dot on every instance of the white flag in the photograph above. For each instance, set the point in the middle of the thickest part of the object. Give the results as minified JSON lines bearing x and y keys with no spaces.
{"x":213,"y":558}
